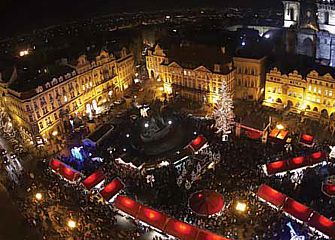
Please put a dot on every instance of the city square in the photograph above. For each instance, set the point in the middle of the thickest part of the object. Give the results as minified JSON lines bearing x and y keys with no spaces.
{"x":198,"y":123}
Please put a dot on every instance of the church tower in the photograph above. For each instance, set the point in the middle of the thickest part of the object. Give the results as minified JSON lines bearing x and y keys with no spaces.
{"x":291,"y":13}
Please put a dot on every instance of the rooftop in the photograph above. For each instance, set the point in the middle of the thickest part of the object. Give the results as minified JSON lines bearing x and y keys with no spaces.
{"x":304,"y":65}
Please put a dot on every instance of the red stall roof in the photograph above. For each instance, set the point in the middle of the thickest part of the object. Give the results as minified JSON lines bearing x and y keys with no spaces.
{"x":152,"y":217}
{"x":322,"y":224}
{"x":306,"y":139}
{"x":298,"y":162}
{"x":69,"y":173}
{"x":93,"y":180}
{"x":181,"y":230}
{"x":317,"y":157}
{"x":127,"y":205}
{"x":276,"y":167}
{"x":55,"y":164}
{"x":297,"y":210}
{"x":205,"y":235}
{"x":271,"y":195}
{"x":112,"y":189}
{"x":197,"y":143}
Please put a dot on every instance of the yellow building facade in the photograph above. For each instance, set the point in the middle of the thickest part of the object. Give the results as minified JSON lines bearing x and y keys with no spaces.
{"x":249,"y":78}
{"x":313,"y":95}
{"x":41,"y":112}
{"x":198,"y":83}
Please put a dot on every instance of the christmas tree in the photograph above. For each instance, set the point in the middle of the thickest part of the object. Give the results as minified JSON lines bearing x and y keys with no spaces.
{"x":223,"y":112}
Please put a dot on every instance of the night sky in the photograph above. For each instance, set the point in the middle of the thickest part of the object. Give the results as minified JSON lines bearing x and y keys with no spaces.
{"x":25,"y":15}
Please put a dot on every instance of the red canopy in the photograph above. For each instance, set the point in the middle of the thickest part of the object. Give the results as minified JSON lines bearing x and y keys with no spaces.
{"x":127,"y":205}
{"x":152,"y":217}
{"x":298,"y":162}
{"x":55,"y":164}
{"x":322,"y":224}
{"x":197,"y":143}
{"x":317,"y":157}
{"x":205,"y":235}
{"x":297,"y":210}
{"x":69,"y":173}
{"x":271,"y":195}
{"x":206,"y":202}
{"x":276,"y":167}
{"x":93,"y":180}
{"x":306,"y":139}
{"x":181,"y":230}
{"x":112,"y":189}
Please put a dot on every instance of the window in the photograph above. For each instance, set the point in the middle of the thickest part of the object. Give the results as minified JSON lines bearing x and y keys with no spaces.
{"x":310,"y":88}
{"x":326,"y":19}
{"x":41,"y":125}
{"x":330,"y":93}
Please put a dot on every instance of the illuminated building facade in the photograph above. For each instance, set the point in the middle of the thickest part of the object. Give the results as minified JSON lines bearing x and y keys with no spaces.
{"x":313,"y":94}
{"x":42,"y":109}
{"x":249,"y":77}
{"x":192,"y":71}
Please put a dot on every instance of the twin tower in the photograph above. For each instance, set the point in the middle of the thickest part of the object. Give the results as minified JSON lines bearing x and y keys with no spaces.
{"x":313,"y":23}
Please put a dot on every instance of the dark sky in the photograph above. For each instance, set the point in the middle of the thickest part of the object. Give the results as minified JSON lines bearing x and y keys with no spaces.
{"x":24,"y":15}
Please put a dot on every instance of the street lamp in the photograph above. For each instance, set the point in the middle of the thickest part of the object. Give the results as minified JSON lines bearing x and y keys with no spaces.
{"x":38,"y":196}
{"x":71,"y":224}
{"x":241,"y":207}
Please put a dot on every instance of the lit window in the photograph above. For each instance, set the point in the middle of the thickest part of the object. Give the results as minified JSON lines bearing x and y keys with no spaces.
{"x":65,"y":98}
{"x":310,"y":88}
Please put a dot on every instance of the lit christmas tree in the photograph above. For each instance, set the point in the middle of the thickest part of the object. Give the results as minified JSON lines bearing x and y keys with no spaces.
{"x":223,"y":113}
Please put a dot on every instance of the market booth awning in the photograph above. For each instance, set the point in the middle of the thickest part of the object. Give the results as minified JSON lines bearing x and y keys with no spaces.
{"x":127,"y":205}
{"x":297,"y":210}
{"x":93,"y":180}
{"x":112,"y":189}
{"x":276,"y":167}
{"x":181,"y":230}
{"x":307,"y":140}
{"x":152,"y":217}
{"x":271,"y":196}
{"x":65,"y":171}
{"x":298,"y":162}
{"x":69,"y":173}
{"x":317,"y":157}
{"x":322,"y":224}
{"x":294,"y":163}
{"x":206,"y":202}
{"x":198,"y":143}
{"x":55,"y":164}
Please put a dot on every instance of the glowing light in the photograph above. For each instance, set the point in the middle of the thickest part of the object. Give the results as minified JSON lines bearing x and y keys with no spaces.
{"x":169,"y":122}
{"x":280,"y":126}
{"x":55,"y":133}
{"x":332,"y":152}
{"x":267,"y":36}
{"x":110,"y":93}
{"x":243,"y":43}
{"x":241,"y":207}
{"x":71,"y":224}
{"x":146,"y":125}
{"x":75,"y":152}
{"x":24,"y":53}
{"x":65,"y":98}
{"x":38,"y":196}
{"x":127,"y":135}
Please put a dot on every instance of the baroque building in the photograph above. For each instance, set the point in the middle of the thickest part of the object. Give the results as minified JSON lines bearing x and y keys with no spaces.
{"x":249,"y":77}
{"x":311,"y":94}
{"x":42,"y":104}
{"x":193,"y":71}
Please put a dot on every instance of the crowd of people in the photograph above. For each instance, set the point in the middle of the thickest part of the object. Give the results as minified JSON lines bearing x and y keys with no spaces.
{"x":237,"y":176}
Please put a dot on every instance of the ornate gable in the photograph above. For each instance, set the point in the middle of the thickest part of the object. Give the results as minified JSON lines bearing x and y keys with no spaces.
{"x":202,"y":69}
